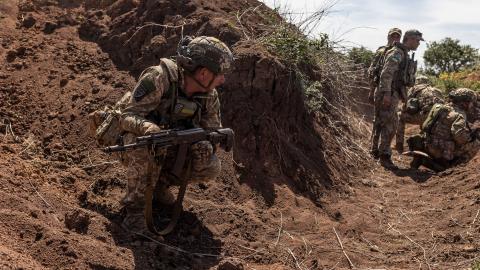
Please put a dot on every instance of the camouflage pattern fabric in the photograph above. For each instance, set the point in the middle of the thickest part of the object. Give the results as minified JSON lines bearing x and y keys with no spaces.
{"x":386,"y":119}
{"x":391,"y":77}
{"x":450,"y":136}
{"x":385,"y":124}
{"x":150,"y":108}
{"x":426,"y":96}
{"x":376,"y":61}
{"x":207,"y":52}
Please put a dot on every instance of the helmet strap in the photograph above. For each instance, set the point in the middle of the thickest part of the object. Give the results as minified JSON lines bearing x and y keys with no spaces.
{"x":205,"y":88}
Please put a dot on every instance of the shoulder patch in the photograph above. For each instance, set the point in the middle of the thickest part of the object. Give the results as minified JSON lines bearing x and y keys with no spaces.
{"x":397,"y":57}
{"x":145,"y":86}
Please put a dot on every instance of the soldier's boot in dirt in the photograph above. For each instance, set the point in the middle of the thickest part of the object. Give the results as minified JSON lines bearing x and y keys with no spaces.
{"x":134,"y":222}
{"x":162,"y":196}
{"x":416,"y":163}
{"x":386,"y":162}
{"x":375,"y":153}
{"x":433,"y":165}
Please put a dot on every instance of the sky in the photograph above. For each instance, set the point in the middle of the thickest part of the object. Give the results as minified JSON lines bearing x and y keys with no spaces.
{"x":366,"y":22}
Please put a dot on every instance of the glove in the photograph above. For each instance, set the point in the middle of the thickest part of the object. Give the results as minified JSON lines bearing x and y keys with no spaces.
{"x":150,"y":128}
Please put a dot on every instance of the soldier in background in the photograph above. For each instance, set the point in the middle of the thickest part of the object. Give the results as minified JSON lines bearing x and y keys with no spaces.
{"x":374,"y":71}
{"x":397,"y":74}
{"x":394,"y":35}
{"x":420,"y":99}
{"x":448,"y":138}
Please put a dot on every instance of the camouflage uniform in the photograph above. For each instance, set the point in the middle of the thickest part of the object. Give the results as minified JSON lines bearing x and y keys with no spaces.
{"x":377,"y":61}
{"x":421,"y":98}
{"x":159,"y":102}
{"x":450,"y":138}
{"x":386,"y":119}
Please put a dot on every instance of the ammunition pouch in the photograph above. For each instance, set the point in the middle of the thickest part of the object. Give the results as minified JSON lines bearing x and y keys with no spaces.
{"x":410,"y":71}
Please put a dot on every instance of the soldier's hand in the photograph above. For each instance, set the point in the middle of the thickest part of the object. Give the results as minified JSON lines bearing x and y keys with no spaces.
{"x":150,"y":128}
{"x":387,"y":100}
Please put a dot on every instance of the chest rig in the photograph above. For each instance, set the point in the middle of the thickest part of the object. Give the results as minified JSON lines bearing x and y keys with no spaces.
{"x":176,"y":110}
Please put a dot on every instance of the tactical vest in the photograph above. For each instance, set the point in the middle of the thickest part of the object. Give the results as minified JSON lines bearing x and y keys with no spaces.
{"x":175,"y":109}
{"x":405,"y":75}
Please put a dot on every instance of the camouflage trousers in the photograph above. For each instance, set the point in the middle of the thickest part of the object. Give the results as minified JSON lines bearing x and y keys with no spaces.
{"x":449,"y":151}
{"x":385,"y":124}
{"x":142,"y":164}
{"x":406,"y":118}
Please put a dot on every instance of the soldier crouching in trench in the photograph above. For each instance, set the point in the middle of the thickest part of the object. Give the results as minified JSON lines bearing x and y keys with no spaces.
{"x":447,"y":138}
{"x":179,"y":95}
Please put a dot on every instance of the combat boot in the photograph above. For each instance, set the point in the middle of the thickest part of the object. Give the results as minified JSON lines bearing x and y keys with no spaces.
{"x":134,"y":222}
{"x":386,"y":161}
{"x":416,"y":162}
{"x":375,"y":153}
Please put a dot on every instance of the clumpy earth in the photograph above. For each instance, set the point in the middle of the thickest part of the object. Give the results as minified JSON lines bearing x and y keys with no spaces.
{"x":285,"y":193}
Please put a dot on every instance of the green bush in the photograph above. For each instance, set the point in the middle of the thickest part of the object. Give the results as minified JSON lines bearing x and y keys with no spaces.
{"x":360,"y":55}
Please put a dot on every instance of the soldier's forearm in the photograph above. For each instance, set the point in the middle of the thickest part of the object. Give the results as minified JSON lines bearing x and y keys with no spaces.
{"x":135,"y":124}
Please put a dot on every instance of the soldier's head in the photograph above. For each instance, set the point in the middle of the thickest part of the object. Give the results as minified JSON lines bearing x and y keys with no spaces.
{"x":422,"y":79}
{"x":463,"y":97}
{"x":205,"y":61}
{"x":394,"y":36}
{"x":412,"y":38}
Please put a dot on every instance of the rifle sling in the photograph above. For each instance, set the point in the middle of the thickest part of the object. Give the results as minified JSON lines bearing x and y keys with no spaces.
{"x":177,"y":208}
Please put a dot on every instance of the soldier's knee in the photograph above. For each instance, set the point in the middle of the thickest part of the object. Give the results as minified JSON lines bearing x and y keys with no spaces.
{"x":208,"y":171}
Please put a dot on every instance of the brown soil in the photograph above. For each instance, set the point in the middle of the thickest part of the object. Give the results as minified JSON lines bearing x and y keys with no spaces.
{"x":274,"y":209}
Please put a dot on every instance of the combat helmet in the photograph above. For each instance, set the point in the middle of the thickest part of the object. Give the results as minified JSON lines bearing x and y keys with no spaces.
{"x":206,"y":52}
{"x":422,"y":79}
{"x":462,"y":95}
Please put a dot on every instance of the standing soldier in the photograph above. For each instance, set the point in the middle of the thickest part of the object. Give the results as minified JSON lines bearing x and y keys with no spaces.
{"x":398,"y":72}
{"x":374,"y":70}
{"x":420,"y":100}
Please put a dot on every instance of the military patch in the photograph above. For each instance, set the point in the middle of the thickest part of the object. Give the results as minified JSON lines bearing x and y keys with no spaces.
{"x":178,"y":108}
{"x":397,"y":57}
{"x":145,"y":86}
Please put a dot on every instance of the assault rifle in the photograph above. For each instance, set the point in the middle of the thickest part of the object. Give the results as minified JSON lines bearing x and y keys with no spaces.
{"x":171,"y":137}
{"x":182,"y":139}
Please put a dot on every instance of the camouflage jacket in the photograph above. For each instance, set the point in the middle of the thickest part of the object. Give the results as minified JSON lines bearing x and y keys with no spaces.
{"x":391,"y":76}
{"x":450,"y":134}
{"x":375,"y":66}
{"x":426,"y":96}
{"x":158,"y":98}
